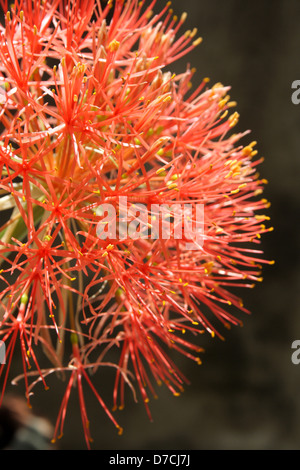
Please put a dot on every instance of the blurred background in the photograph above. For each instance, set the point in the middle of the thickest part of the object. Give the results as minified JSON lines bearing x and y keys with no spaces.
{"x":246,"y":393}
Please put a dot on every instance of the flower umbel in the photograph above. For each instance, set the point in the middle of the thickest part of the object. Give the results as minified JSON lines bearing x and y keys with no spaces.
{"x":91,"y":116}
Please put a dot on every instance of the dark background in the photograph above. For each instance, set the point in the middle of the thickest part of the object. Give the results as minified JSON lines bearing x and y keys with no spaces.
{"x":246,"y":395}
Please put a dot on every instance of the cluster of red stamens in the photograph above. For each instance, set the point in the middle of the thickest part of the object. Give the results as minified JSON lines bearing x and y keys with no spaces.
{"x":91,"y":114}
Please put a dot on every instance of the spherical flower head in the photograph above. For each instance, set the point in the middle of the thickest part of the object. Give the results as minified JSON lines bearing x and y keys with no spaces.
{"x":130,"y":208}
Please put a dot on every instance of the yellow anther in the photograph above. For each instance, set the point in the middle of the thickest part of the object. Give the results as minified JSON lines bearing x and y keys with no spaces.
{"x":183,"y":17}
{"x":217,"y":85}
{"x":233,"y":119}
{"x":257,"y":192}
{"x":113,"y":45}
{"x":149,"y":14}
{"x":224,"y":114}
{"x":223,"y":102}
{"x":197,"y":41}
{"x":194,"y":32}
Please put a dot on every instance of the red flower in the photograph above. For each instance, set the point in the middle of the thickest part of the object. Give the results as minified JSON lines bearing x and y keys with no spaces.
{"x":105,"y":160}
